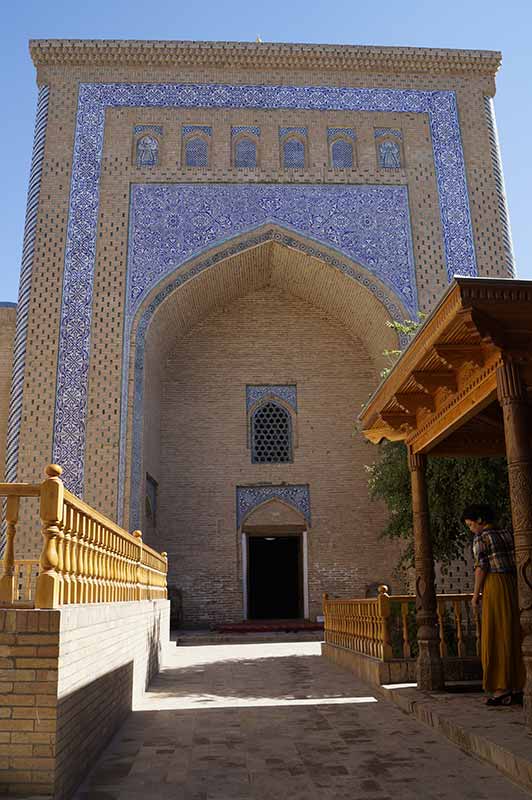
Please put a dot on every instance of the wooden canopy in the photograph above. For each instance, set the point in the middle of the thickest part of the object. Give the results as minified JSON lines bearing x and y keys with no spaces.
{"x":441,"y":396}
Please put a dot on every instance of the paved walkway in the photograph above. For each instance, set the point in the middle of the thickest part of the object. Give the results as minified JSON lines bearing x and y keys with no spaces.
{"x":278,"y":722}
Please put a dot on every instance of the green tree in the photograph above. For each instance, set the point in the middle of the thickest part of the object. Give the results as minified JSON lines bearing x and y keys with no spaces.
{"x":452,"y":483}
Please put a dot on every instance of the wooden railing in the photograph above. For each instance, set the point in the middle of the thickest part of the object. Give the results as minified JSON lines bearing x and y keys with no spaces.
{"x":384,"y":626}
{"x":85,"y":557}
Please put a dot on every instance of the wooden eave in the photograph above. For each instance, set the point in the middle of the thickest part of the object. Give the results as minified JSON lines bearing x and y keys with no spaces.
{"x":446,"y":382}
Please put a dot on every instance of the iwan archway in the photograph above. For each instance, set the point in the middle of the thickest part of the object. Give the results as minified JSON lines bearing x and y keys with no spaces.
{"x":266,"y":316}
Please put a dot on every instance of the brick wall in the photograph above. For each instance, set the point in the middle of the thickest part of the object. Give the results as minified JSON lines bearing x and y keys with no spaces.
{"x":7,"y":334}
{"x":68,"y":679}
{"x":267,"y":337}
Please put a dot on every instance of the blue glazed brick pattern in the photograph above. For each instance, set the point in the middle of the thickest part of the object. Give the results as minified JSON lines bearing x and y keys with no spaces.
{"x":341,"y":154}
{"x":388,"y":132}
{"x":246,"y":154}
{"x":334,"y":132}
{"x":287,"y":131}
{"x":293,"y":154}
{"x":93,"y":99}
{"x":389,"y":155}
{"x":170,"y":223}
{"x":158,"y":129}
{"x":186,"y":130}
{"x":256,"y":393}
{"x":196,"y":152}
{"x":252,"y":129}
{"x":147,"y":152}
{"x":250,"y":497}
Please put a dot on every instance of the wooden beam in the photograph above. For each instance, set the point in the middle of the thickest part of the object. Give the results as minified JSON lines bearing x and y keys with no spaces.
{"x":412,"y":402}
{"x":431,"y":380}
{"x":456,"y":355}
{"x":488,"y":329}
{"x":398,"y":419}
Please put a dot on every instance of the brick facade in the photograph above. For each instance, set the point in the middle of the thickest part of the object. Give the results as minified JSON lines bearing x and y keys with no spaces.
{"x":268,"y":314}
{"x":8,"y":316}
{"x":68,"y":680}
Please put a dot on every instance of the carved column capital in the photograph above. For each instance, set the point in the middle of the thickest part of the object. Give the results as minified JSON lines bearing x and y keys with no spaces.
{"x":416,"y":461}
{"x":510,"y":386}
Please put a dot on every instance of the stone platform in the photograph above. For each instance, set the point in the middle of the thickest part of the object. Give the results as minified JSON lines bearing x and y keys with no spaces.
{"x":276,"y":720}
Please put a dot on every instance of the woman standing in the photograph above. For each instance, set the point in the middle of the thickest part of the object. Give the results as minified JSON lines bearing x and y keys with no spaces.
{"x":495,"y":577}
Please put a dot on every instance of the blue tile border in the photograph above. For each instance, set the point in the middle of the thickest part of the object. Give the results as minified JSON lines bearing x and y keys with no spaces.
{"x":93,"y":99}
{"x":248,"y":498}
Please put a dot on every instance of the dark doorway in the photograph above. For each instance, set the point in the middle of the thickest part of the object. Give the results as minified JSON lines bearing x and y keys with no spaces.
{"x":274,"y":577}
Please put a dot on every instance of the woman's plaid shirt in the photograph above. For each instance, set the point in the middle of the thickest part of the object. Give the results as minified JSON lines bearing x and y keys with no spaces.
{"x":493,"y":550}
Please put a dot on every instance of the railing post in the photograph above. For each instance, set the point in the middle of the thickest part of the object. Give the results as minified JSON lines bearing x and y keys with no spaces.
{"x":7,"y":581}
{"x":139,"y":587}
{"x":47,"y":591}
{"x":165,"y":577}
{"x":429,"y":663}
{"x":384,"y":615}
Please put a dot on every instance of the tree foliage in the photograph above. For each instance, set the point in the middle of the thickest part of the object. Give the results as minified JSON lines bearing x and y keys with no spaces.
{"x":452,"y":483}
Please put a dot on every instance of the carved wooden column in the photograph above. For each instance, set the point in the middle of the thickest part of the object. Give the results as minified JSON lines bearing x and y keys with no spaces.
{"x":517,"y":430}
{"x":429,"y":663}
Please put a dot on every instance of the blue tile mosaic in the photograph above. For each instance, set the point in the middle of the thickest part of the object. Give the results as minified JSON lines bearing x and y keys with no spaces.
{"x":252,"y":129}
{"x":388,"y":132}
{"x":186,"y":130}
{"x":293,"y":153}
{"x":248,"y":498}
{"x":158,"y":129}
{"x":341,"y":154}
{"x":287,"y":131}
{"x":94,"y":99}
{"x":347,"y":132}
{"x":170,"y":223}
{"x":389,"y":155}
{"x":245,"y":153}
{"x":147,"y":152}
{"x":256,"y":393}
{"x":196,"y":152}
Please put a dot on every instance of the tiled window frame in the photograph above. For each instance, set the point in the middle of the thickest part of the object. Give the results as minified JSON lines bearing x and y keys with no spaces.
{"x":239,"y":137}
{"x":342,"y":137}
{"x":295,"y":134}
{"x":190,"y":132}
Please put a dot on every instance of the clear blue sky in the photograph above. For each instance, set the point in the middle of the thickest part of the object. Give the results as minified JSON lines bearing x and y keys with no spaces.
{"x":477,"y":24}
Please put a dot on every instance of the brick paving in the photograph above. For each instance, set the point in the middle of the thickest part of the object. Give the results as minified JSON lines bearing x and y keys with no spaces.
{"x":275,"y":720}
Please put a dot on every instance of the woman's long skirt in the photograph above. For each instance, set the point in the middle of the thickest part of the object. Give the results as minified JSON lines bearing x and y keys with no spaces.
{"x":502,"y":662}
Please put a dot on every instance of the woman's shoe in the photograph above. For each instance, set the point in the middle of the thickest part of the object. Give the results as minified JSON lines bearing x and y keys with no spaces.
{"x":517,"y":698}
{"x":500,"y":700}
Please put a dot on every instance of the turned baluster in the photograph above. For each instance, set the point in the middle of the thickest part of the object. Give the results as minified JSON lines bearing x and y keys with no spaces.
{"x":67,"y":557}
{"x":407,"y":652}
{"x":164,"y":576}
{"x":8,"y":582}
{"x":384,"y":613}
{"x":47,"y":592}
{"x":441,"y":625}
{"x":457,"y":608}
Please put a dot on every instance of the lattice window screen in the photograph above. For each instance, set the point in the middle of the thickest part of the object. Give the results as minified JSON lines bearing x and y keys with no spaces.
{"x":245,"y":154}
{"x":342,"y":154}
{"x":271,"y":435}
{"x":196,"y":152}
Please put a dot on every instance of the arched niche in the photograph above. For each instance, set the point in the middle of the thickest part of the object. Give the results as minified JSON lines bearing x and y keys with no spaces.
{"x":361,"y":307}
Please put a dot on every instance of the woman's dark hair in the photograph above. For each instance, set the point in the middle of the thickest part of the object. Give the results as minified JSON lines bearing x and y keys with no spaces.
{"x":478,"y":513}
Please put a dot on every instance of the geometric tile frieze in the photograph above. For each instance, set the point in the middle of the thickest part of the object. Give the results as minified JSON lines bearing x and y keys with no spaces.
{"x":250,"y":497}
